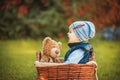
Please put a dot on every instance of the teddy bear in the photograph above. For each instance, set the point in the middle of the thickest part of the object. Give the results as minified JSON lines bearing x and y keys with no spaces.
{"x":50,"y":50}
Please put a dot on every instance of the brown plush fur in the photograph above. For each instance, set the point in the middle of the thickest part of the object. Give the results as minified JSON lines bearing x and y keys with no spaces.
{"x":51,"y":50}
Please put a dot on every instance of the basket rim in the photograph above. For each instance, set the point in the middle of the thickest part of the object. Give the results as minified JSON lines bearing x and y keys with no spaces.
{"x":47,"y":64}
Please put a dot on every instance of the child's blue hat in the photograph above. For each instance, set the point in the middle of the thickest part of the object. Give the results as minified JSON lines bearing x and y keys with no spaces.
{"x":84,"y":30}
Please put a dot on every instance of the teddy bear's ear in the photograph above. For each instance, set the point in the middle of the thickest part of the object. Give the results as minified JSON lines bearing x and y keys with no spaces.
{"x":46,"y":40}
{"x":60,"y":45}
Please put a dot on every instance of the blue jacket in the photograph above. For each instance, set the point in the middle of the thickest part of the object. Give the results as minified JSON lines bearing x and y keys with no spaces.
{"x":78,"y":53}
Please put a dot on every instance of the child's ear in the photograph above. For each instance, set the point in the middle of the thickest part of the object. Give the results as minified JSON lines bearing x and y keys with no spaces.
{"x":60,"y":45}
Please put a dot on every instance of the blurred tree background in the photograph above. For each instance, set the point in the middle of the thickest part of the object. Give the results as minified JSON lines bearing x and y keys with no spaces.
{"x":40,"y":18}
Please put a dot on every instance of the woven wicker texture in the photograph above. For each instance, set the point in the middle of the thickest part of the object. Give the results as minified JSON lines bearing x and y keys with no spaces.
{"x":66,"y":72}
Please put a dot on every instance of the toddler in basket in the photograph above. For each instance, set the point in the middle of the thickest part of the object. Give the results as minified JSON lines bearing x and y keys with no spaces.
{"x":81,"y":51}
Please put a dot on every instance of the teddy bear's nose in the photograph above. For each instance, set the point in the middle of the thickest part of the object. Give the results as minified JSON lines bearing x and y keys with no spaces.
{"x":57,"y":51}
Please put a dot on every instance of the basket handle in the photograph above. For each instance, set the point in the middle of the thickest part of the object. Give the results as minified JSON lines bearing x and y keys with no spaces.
{"x":38,"y":56}
{"x":96,"y":76}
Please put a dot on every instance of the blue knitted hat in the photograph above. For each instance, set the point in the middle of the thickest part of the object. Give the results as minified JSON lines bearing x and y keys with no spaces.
{"x":84,"y":30}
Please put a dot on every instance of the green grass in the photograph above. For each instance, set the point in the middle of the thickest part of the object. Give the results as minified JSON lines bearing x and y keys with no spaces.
{"x":107,"y":56}
{"x":17,"y":59}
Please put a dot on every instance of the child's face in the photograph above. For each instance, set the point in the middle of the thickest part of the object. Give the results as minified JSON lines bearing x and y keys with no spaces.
{"x":72,"y":37}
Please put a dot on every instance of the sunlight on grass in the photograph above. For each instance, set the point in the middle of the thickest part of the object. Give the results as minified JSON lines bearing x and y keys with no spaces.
{"x":18,"y":60}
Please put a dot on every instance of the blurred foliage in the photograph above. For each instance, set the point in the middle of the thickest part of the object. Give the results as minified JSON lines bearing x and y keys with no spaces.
{"x":105,"y":13}
{"x":40,"y":18}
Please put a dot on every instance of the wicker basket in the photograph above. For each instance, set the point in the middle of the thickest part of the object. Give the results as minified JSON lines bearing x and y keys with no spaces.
{"x":66,"y":72}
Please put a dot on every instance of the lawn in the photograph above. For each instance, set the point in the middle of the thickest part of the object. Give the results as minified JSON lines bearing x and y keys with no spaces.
{"x":17,"y":58}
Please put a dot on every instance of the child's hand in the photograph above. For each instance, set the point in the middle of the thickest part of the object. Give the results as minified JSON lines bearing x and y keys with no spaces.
{"x":92,"y":62}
